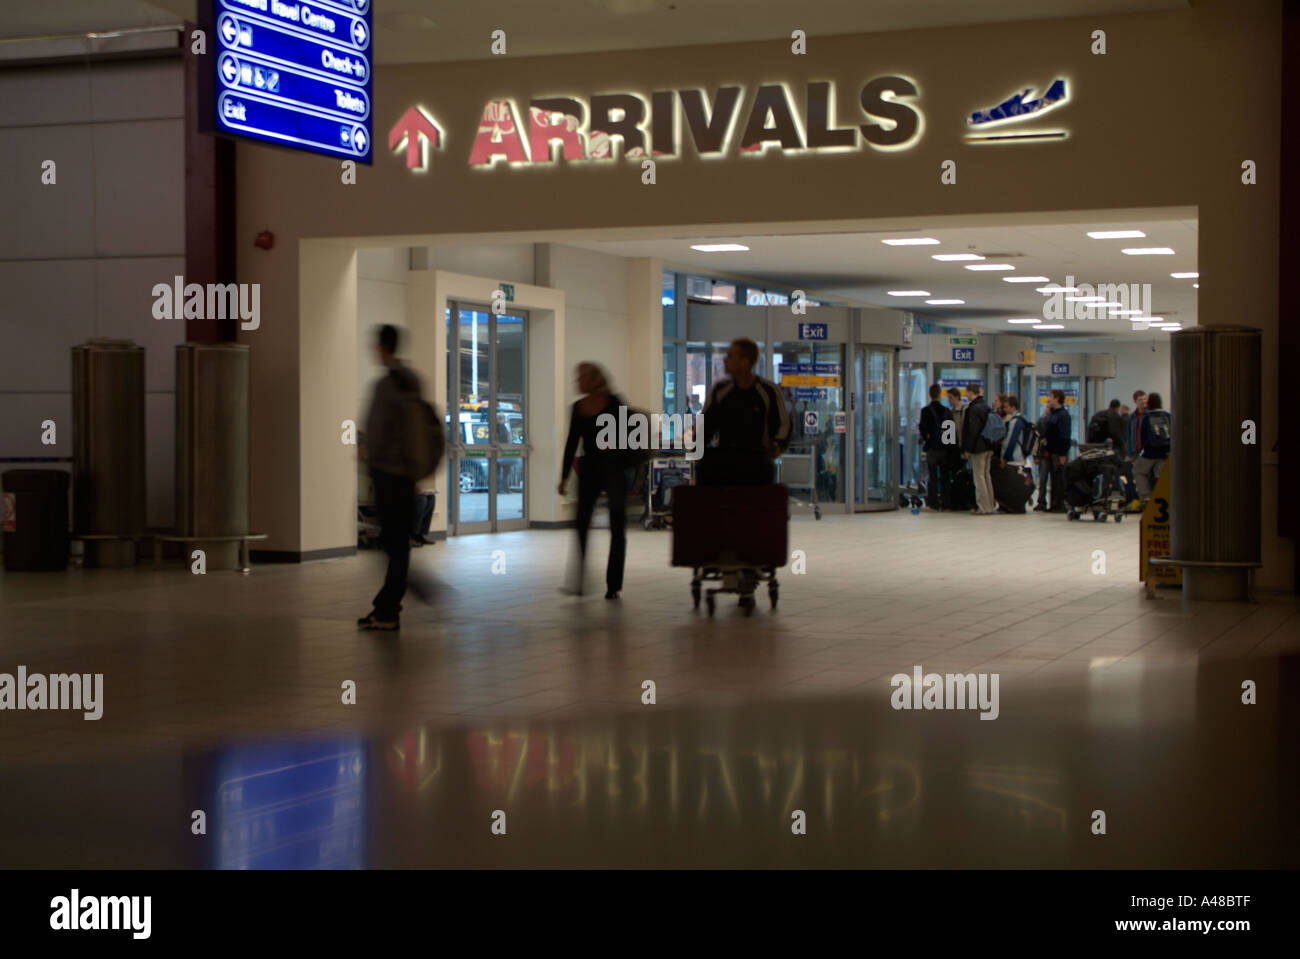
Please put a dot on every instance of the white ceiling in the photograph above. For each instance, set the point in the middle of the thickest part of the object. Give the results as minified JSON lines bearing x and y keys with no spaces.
{"x":859,"y":267}
{"x":415,"y":31}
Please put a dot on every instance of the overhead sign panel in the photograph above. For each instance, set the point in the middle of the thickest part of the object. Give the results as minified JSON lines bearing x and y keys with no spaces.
{"x":294,"y":73}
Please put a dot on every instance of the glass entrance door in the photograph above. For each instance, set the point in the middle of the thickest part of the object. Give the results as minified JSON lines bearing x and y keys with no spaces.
{"x":1070,"y":385}
{"x":878,"y":443}
{"x":913,"y":395}
{"x":487,"y":448}
{"x":811,"y":377}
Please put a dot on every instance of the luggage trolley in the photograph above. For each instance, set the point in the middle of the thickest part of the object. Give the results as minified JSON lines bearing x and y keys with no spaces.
{"x":733,"y":535}
{"x":666,"y":474}
{"x":1107,"y":480}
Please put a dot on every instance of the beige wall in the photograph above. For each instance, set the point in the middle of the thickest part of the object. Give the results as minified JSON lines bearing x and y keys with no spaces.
{"x":1164,"y":119}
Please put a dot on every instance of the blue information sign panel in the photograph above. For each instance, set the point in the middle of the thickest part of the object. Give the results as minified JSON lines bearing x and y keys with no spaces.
{"x":813,"y":331}
{"x":295,"y":73}
{"x":1060,"y":369}
{"x":963,"y":354}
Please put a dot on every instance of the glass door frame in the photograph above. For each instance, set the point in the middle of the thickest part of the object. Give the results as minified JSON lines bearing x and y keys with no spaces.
{"x":456,"y":447}
{"x":892,"y":438}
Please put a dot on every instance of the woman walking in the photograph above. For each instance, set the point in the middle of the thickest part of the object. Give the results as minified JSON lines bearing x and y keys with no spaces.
{"x":598,"y":470}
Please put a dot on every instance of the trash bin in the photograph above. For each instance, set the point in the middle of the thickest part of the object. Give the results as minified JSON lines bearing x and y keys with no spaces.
{"x":35,"y":519}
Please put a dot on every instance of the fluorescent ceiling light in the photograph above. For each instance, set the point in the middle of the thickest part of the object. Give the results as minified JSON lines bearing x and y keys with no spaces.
{"x":1149,"y":251}
{"x":1115,"y":234}
{"x":1050,"y":326}
{"x":945,"y":302}
{"x":1153,"y":320}
{"x":991,"y":266}
{"x":1057,"y":288}
{"x":1084,"y":299}
{"x":1196,"y":286}
{"x":909,"y":292}
{"x":1027,"y":319}
{"x":720,"y":247}
{"x":1024,"y":279}
{"x":1186,"y":276}
{"x":912,"y":241}
{"x":955,"y":257}
{"x":1126,"y":312}
{"x":1110,"y":303}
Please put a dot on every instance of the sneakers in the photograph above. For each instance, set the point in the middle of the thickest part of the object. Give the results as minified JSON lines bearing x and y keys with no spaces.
{"x":371,"y":621}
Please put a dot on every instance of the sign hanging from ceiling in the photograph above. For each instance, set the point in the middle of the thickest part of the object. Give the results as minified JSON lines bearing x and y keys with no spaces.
{"x":292,"y":73}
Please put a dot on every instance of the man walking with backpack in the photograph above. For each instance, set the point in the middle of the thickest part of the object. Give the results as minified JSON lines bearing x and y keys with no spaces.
{"x":404,"y":440}
{"x":981,"y":433}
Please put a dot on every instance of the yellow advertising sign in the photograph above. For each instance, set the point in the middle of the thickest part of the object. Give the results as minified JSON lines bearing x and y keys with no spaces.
{"x":1155,"y":533}
{"x":1029,"y":357}
{"x":809,"y":379}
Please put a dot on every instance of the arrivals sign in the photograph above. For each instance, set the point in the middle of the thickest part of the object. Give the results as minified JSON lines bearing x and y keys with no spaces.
{"x":635,"y":125}
{"x":296,"y":73}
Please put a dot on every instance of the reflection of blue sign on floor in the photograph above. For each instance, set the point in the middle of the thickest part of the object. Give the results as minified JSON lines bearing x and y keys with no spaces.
{"x":295,"y":74}
{"x":291,"y":806}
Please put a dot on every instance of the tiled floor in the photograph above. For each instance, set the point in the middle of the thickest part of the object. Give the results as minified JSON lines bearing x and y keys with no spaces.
{"x":187,"y":656}
{"x":1091,"y":674}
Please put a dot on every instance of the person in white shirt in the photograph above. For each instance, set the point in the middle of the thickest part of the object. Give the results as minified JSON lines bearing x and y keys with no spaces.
{"x":1013,"y":444}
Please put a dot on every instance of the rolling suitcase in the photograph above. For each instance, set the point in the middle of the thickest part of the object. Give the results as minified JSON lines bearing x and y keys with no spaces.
{"x":1012,"y":488}
{"x":963,"y":490}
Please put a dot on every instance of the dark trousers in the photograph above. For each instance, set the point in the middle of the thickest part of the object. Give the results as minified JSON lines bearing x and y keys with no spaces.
{"x":1056,"y":463}
{"x":395,"y":497}
{"x":422,"y":514}
{"x":597,"y":474}
{"x":1044,"y":471}
{"x":939,"y":485}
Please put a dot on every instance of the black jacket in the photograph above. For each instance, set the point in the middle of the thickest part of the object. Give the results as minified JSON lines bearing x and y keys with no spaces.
{"x":972,"y":425}
{"x":933,"y":415}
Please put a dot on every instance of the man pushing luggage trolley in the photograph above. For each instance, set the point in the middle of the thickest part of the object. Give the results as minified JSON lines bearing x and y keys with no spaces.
{"x":732,"y":526}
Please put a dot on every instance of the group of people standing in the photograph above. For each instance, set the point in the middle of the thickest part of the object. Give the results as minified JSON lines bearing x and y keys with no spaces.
{"x":957,"y":434}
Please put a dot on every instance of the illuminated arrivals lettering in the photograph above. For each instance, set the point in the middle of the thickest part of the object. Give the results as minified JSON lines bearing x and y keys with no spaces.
{"x":563,"y":126}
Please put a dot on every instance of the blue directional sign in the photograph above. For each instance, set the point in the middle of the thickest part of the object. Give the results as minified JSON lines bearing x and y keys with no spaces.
{"x":296,"y":73}
{"x":1060,"y":369}
{"x":813,"y":331}
{"x":963,"y":354}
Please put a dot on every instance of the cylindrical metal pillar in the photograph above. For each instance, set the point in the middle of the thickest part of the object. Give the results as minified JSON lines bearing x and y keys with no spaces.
{"x":108,"y":471}
{"x":1215,"y":485}
{"x":212,"y":427}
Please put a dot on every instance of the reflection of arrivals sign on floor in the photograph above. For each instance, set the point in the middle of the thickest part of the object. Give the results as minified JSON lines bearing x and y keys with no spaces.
{"x":1155,"y":533}
{"x":810,"y":421}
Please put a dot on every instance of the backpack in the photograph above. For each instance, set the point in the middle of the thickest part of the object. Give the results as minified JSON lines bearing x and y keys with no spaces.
{"x":1160,"y":425}
{"x":994,"y":431}
{"x":1098,"y":428}
{"x":1032,"y":440}
{"x":426,"y":437}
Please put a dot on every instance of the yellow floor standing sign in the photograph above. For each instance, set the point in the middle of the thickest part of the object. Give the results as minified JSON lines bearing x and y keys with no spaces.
{"x":1156,"y":519}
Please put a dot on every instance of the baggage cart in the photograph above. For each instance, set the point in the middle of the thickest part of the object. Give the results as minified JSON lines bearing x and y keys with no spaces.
{"x":736,"y":536}
{"x":666,"y":474}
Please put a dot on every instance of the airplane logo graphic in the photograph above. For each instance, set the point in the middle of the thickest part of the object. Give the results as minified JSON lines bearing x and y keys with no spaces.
{"x":1017,"y":108}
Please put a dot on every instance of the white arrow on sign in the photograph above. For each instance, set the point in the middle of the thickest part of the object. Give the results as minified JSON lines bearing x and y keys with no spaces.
{"x":359,"y":33}
{"x":359,"y":139}
{"x":229,"y":69}
{"x":228,"y":29}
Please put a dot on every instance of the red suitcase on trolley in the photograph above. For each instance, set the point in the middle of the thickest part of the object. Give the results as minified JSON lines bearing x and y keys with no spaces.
{"x":745,"y":525}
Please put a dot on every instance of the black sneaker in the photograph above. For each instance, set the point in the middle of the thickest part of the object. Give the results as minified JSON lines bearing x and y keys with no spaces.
{"x":372,"y":621}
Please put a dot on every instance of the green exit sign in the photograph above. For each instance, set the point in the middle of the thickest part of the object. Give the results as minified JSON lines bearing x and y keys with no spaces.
{"x":508,"y":291}
{"x":963,"y":341}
